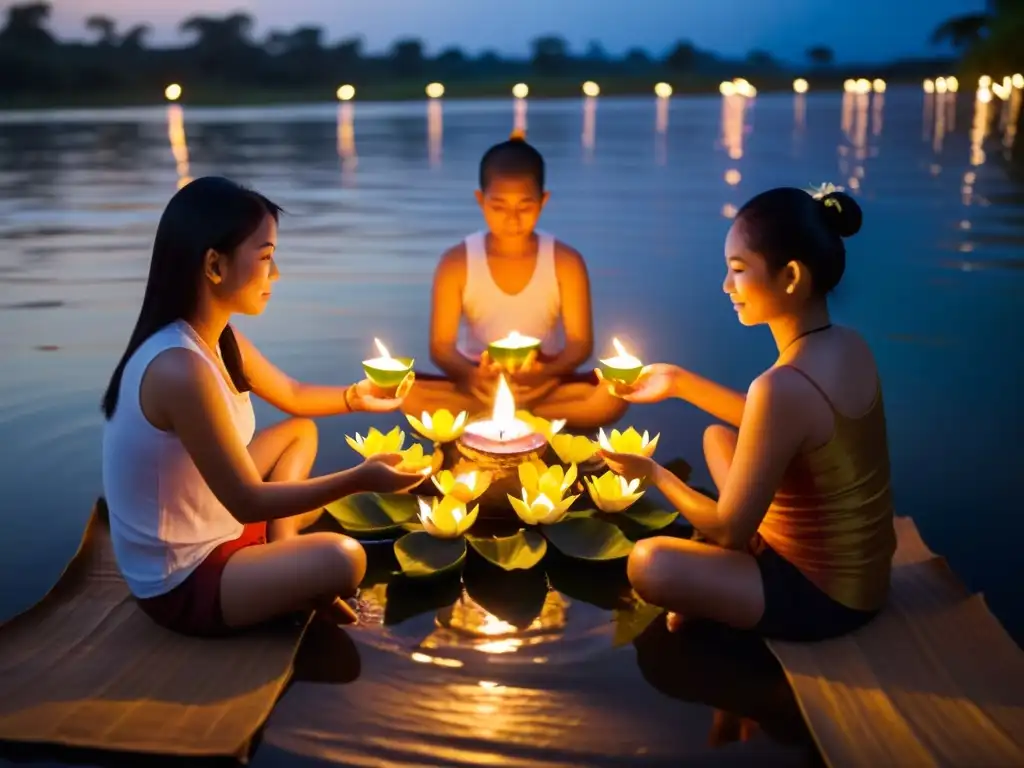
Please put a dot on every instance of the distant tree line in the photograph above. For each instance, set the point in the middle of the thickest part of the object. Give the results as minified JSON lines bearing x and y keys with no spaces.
{"x":223,"y":51}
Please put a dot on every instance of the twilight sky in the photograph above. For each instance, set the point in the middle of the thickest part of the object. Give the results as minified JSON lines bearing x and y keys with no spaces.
{"x":865,"y":30}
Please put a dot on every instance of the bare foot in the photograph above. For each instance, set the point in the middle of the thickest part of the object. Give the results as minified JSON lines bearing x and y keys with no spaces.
{"x":674,"y":621}
{"x":338,"y":611}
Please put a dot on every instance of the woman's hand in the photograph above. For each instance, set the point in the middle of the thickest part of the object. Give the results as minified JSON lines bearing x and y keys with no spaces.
{"x":378,"y":474}
{"x":631,"y":465}
{"x":367,"y":396}
{"x":656,"y":383}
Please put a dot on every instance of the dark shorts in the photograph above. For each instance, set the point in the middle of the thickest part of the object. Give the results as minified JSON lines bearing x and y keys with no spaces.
{"x":795,"y":608}
{"x":193,"y":607}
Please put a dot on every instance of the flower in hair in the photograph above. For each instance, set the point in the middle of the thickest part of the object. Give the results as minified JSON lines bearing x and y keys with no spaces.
{"x":822,"y":193}
{"x":823,"y":190}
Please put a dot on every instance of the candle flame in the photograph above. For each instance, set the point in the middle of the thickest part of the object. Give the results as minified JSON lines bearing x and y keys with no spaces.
{"x":619,"y":348}
{"x":504,"y":413}
{"x":382,"y":349}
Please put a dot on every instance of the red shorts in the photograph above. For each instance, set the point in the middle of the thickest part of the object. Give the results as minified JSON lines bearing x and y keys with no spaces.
{"x":193,"y":607}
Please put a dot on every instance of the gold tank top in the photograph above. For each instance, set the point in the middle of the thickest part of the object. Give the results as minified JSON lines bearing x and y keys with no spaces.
{"x":832,"y":516}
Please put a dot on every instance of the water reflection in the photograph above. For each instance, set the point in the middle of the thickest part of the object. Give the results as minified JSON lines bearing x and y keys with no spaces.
{"x":854,"y":124}
{"x":980,"y":126}
{"x":939,"y":132}
{"x":179,"y":144}
{"x":661,"y":130}
{"x":799,"y":112}
{"x":877,"y":113}
{"x":589,"y":126}
{"x":435,"y":131}
{"x":1013,"y":107}
{"x":519,"y":115}
{"x":733,"y":127}
{"x":346,"y":140}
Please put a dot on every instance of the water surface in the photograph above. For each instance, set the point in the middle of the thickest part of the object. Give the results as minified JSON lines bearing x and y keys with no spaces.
{"x":373,"y":196}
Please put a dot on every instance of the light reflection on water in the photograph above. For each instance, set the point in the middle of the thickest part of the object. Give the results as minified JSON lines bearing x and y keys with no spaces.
{"x":932,"y":281}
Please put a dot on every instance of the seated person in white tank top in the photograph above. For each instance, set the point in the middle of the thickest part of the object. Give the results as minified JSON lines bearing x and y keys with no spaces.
{"x":508,"y":278}
{"x":204,"y":510}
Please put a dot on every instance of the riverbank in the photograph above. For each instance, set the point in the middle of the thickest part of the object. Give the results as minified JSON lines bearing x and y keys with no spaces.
{"x":221,"y":95}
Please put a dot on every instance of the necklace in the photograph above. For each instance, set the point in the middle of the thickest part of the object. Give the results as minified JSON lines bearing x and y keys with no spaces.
{"x":797,"y":338}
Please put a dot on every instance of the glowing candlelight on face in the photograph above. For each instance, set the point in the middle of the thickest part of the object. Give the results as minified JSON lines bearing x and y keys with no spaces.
{"x":623,"y":367}
{"x":387,"y":371}
{"x":513,"y":349}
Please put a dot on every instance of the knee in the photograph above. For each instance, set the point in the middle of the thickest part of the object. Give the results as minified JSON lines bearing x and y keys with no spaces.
{"x":717,"y":438}
{"x":346,"y":561}
{"x":306,"y":433}
{"x":647,"y":569}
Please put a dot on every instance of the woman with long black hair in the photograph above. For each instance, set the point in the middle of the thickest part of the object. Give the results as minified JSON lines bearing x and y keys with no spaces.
{"x":204,"y":509}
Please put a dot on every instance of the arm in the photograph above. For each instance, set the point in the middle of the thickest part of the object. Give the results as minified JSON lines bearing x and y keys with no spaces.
{"x":280,"y":390}
{"x":180,"y":393}
{"x":574,"y":286}
{"x":721,"y":402}
{"x":771,"y":433}
{"x":446,"y":314}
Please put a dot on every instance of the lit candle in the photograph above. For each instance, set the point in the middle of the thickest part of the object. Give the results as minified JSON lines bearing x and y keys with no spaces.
{"x":503,"y":433}
{"x":624,"y":367}
{"x":386,"y":371}
{"x":513,"y":349}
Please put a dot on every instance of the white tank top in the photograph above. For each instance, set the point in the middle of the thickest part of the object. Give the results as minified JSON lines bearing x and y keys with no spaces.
{"x":490,"y":314}
{"x":164,"y":519}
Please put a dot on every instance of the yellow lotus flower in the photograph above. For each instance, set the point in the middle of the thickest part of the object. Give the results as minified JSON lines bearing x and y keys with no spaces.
{"x":536,"y":477}
{"x":446,"y":518}
{"x":574,"y":449}
{"x":612,"y":492}
{"x":543,"y":489}
{"x":541,"y":426}
{"x":376,"y":442}
{"x":414,"y":460}
{"x":441,"y":426}
{"x":629,"y":441}
{"x":466,"y":487}
{"x":539,"y":509}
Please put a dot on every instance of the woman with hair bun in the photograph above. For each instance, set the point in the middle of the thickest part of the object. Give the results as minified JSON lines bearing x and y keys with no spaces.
{"x":799,"y":544}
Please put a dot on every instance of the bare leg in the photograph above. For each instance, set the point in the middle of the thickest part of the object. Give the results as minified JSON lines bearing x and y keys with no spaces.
{"x":698,"y":580}
{"x":701,"y":580}
{"x":283,"y":452}
{"x":263,"y":582}
{"x":582,"y":405}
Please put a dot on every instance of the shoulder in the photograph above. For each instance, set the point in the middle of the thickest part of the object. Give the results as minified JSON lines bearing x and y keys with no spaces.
{"x":179,"y":372}
{"x":568,"y":261}
{"x":453,"y":259}
{"x":780,"y":391}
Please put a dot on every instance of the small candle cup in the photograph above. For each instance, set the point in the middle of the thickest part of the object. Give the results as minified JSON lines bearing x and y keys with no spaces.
{"x":621,"y":370}
{"x":511,"y":352}
{"x":388,"y":373}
